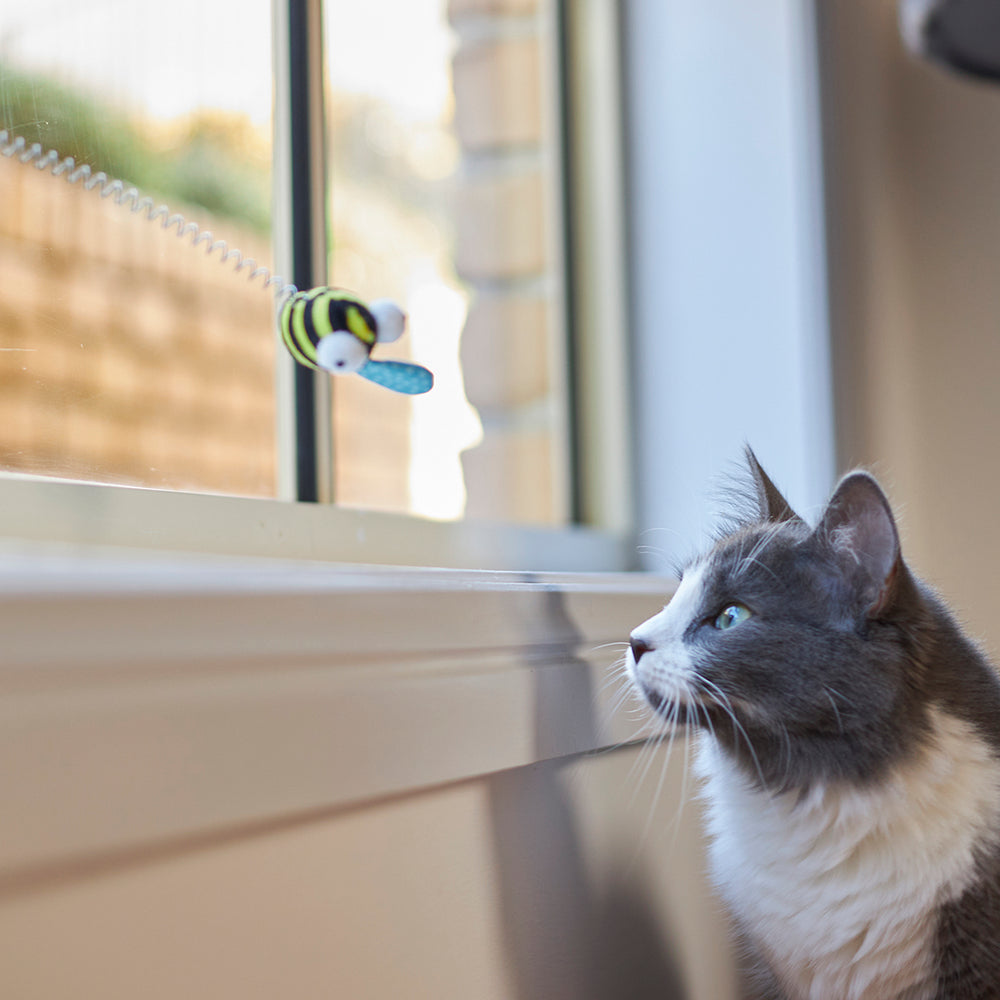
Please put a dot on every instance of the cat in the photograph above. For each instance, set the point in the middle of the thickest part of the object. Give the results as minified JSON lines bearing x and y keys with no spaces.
{"x":848,"y":747}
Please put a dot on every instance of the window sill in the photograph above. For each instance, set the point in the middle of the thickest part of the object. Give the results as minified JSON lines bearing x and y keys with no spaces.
{"x":153,"y":699}
{"x":46,"y":509}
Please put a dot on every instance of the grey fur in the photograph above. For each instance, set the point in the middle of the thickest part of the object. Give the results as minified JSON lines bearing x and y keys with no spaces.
{"x":833,"y":677}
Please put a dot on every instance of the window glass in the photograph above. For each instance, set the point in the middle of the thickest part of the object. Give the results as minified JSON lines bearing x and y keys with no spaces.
{"x":442,"y":159}
{"x":126,"y":355}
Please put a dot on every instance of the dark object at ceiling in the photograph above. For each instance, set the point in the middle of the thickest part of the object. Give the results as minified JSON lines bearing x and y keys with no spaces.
{"x":961,"y":34}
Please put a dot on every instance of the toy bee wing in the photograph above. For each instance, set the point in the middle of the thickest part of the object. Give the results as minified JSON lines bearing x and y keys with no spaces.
{"x":400,"y":376}
{"x":331,"y":330}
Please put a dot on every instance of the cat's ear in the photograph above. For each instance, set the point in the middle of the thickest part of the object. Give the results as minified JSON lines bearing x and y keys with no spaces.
{"x":859,"y":528}
{"x":773,"y":506}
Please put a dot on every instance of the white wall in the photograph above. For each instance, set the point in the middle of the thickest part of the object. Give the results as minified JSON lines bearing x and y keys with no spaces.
{"x":727,"y":247}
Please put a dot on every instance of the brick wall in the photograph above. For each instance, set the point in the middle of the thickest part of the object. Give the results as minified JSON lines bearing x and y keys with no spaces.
{"x":502,"y":252}
{"x":124,"y":355}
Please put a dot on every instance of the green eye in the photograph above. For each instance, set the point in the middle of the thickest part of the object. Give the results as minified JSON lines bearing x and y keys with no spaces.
{"x":732,"y":616}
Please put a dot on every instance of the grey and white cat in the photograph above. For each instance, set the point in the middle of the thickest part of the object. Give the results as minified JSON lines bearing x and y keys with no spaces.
{"x":849,"y":746}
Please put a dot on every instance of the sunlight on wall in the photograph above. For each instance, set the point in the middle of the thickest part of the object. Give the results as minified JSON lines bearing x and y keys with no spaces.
{"x":443,"y":424}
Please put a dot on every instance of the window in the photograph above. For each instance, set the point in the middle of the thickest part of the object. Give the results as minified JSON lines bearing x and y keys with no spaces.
{"x":127,"y":357}
{"x":438,"y":175}
{"x":442,"y":194}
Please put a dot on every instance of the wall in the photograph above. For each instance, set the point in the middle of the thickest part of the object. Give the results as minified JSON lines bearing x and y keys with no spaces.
{"x":507,"y":225}
{"x":488,"y":889}
{"x":730,"y":333}
{"x":914,"y":177}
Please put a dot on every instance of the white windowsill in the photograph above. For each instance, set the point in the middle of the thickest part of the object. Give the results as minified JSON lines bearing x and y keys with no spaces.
{"x":46,"y":509}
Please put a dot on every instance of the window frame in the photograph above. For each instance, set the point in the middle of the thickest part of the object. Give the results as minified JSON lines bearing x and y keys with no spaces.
{"x":302,"y":522}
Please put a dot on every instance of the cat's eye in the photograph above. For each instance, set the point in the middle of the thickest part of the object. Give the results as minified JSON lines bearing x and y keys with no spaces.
{"x":731,"y":616}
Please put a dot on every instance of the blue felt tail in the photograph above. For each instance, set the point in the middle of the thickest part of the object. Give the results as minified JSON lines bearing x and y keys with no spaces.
{"x":400,"y":376}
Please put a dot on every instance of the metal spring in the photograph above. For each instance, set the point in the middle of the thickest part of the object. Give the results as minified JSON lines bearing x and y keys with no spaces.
{"x":16,"y":146}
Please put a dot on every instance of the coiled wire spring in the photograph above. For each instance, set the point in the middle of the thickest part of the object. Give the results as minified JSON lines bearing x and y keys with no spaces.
{"x":12,"y":146}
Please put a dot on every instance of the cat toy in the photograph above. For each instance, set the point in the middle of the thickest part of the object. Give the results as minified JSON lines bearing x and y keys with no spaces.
{"x":324,"y":328}
{"x":332,"y":330}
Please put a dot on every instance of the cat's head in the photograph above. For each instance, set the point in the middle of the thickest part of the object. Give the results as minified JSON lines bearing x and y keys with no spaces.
{"x":798,"y":648}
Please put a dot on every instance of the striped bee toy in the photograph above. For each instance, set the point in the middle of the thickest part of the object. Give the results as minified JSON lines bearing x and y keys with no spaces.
{"x":331,"y":330}
{"x":324,"y":328}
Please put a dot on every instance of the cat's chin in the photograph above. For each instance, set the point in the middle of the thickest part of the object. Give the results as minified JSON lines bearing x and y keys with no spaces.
{"x":678,"y":712}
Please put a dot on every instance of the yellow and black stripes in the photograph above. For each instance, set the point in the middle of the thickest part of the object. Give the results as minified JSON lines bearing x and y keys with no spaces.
{"x":306,"y":317}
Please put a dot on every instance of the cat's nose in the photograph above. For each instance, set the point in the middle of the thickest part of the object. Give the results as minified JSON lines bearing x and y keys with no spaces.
{"x":639,"y":646}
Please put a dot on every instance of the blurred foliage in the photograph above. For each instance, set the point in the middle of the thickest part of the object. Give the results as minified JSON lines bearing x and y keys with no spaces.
{"x":210,"y":159}
{"x":219,"y":162}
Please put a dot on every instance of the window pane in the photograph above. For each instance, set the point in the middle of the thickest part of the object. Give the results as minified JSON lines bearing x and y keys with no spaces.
{"x":127,"y":355}
{"x":442,"y":155}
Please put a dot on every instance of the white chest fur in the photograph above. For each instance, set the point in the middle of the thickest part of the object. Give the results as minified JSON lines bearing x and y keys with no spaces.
{"x":840,"y":889}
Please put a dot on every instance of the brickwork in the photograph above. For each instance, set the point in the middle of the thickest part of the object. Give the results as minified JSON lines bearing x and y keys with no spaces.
{"x":497,"y":85}
{"x":461,"y":8}
{"x":505,"y":352}
{"x":501,"y":225}
{"x":124,"y":355}
{"x":504,"y":209}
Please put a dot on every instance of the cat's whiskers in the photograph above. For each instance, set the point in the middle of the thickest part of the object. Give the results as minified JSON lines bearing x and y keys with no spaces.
{"x":847,"y":701}
{"x":685,"y":779}
{"x":688,"y":764}
{"x":617,"y":675}
{"x":609,"y":645}
{"x":753,"y":557}
{"x":664,"y":767}
{"x":666,"y":731}
{"x":618,"y":668}
{"x":619,"y":705}
{"x":722,"y":700}
{"x":664,"y":554}
{"x":787,"y":740}
{"x":836,"y":711}
{"x":650,"y":745}
{"x":756,"y":562}
{"x":642,"y":764}
{"x":618,"y":702}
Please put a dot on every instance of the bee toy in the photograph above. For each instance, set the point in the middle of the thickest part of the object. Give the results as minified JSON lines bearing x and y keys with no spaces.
{"x":325,"y":328}
{"x":333,"y":331}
